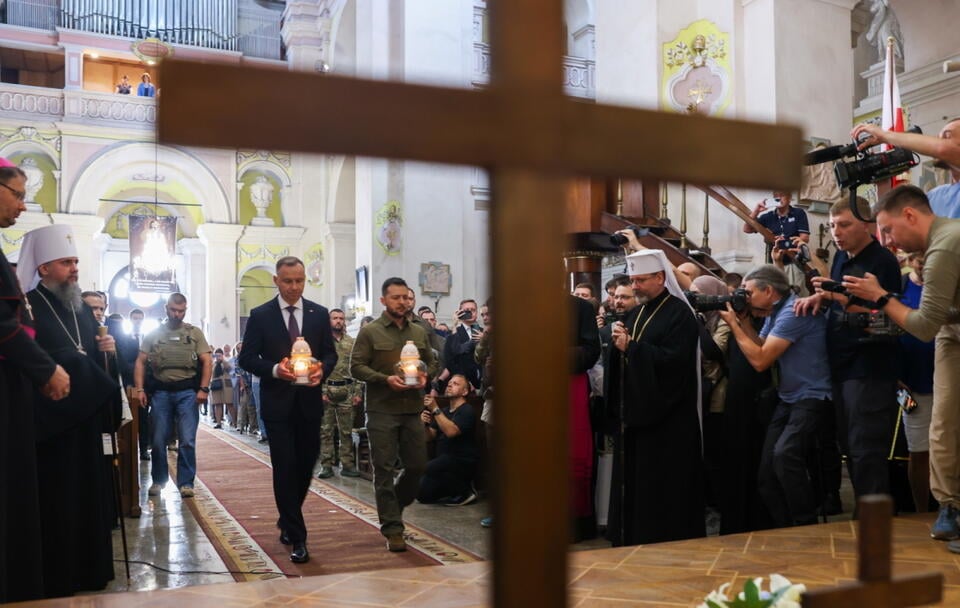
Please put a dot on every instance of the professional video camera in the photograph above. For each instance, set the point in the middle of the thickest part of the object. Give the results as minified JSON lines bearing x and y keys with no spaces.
{"x":619,"y":240}
{"x":879,"y":327}
{"x":866,"y":168}
{"x":704,"y":303}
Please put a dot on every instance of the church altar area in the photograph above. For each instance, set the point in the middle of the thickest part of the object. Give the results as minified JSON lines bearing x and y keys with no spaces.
{"x":667,"y":574}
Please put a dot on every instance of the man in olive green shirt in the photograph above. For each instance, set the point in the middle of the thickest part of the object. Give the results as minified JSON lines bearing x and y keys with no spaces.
{"x":393,"y":408}
{"x":906,"y":220}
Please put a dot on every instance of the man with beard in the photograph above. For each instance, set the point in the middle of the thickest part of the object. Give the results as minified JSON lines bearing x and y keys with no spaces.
{"x":652,"y":388}
{"x":76,"y":534}
{"x":397,"y":440}
{"x":174,"y":350}
{"x":341,"y":396}
{"x":24,"y":366}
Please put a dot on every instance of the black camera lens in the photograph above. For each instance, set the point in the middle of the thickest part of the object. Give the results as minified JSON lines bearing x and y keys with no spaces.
{"x":620,"y":240}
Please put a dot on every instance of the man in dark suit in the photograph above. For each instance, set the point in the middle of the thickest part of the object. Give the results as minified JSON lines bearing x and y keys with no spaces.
{"x":292,"y":414}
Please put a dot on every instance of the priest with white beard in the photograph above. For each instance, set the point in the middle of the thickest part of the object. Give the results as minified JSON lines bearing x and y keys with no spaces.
{"x":75,"y":489}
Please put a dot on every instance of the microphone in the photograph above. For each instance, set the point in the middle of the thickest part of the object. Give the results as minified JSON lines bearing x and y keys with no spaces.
{"x":827,"y":154}
{"x":951,"y":66}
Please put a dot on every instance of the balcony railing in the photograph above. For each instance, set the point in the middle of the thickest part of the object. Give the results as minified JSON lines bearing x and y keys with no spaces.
{"x":578,"y":74}
{"x":78,"y":106}
{"x":229,"y":25}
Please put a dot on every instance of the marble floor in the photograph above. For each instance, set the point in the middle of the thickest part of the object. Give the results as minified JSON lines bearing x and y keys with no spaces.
{"x":169,"y":551}
{"x":668,"y":574}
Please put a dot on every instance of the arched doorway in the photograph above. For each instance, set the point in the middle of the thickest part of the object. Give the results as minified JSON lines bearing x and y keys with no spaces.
{"x":256,"y":287}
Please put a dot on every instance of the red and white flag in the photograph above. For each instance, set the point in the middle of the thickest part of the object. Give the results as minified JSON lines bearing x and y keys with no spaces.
{"x":892,"y":108}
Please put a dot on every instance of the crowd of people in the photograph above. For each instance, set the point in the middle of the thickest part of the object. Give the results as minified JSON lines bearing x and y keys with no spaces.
{"x":689,"y":395}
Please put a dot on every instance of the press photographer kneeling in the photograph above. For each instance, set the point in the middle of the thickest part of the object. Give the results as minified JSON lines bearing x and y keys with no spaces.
{"x":448,"y":478}
{"x":906,"y":221}
{"x":863,"y":357}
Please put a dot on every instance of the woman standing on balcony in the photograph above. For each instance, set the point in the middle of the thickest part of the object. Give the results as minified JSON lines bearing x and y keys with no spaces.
{"x":123,"y":87}
{"x":146,"y":88}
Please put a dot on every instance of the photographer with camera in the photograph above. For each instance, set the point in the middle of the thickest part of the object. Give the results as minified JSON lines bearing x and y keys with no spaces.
{"x":907,"y":221}
{"x":781,"y":218}
{"x":945,"y":148}
{"x":791,"y":228}
{"x":863,"y":357}
{"x":799,"y":344}
{"x":459,"y":347}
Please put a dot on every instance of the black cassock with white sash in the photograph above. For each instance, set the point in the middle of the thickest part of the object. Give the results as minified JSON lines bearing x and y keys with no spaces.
{"x":75,"y":488}
{"x":662,"y":483}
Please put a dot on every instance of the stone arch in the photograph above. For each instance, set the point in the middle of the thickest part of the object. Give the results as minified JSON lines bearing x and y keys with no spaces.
{"x":46,"y":197}
{"x":256,"y":286}
{"x":342,"y":54}
{"x":577,"y":15}
{"x":142,"y":161}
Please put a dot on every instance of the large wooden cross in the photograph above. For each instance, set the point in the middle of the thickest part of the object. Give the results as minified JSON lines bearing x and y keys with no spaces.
{"x":531,"y":138}
{"x":875,"y":587}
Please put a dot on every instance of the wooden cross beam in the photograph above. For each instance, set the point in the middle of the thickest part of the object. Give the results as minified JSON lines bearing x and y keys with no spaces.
{"x":531,"y":138}
{"x":875,"y":586}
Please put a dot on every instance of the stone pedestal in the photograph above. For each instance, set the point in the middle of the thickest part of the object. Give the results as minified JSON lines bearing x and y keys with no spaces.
{"x":874,"y":77}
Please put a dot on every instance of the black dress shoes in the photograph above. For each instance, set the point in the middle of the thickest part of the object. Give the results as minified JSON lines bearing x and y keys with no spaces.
{"x":300,"y":555}
{"x":284,"y":539}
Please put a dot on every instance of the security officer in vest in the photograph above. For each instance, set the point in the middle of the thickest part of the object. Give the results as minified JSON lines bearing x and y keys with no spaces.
{"x":342,"y":393}
{"x":180,"y":360}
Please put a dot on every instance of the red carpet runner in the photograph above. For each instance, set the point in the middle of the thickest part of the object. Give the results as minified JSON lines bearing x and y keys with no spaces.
{"x":234,"y":506}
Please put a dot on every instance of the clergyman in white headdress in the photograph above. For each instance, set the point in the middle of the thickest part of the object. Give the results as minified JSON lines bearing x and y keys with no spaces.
{"x":653,"y":392}
{"x":70,"y":459}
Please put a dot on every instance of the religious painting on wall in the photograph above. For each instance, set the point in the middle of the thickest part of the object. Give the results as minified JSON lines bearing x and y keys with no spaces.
{"x":435,"y":279}
{"x":389,"y":221}
{"x":696,"y":71}
{"x":313,"y":259}
{"x":153,"y":242}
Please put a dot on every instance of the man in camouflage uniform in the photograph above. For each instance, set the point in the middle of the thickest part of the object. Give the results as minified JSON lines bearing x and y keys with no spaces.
{"x":341,"y":394}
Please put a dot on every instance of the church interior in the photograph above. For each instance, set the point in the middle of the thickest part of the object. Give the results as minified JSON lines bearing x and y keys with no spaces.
{"x":165,"y":134}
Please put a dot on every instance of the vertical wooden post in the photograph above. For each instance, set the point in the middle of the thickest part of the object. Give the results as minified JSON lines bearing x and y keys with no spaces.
{"x":531,"y":500}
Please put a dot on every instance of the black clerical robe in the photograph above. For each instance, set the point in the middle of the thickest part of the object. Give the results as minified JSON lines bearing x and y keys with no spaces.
{"x":658,"y":473}
{"x":24,"y":366}
{"x":75,"y":489}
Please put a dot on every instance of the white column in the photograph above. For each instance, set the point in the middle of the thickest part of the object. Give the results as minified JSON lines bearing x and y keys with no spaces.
{"x":781,"y":39}
{"x":340,"y":254}
{"x":192,"y":282}
{"x":101,"y":243}
{"x":85,"y":230}
{"x":221,"y":281}
{"x":627,"y":53}
{"x":305,"y":34}
{"x":72,"y":66}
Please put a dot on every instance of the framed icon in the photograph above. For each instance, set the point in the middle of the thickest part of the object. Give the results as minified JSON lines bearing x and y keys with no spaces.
{"x":435,"y":279}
